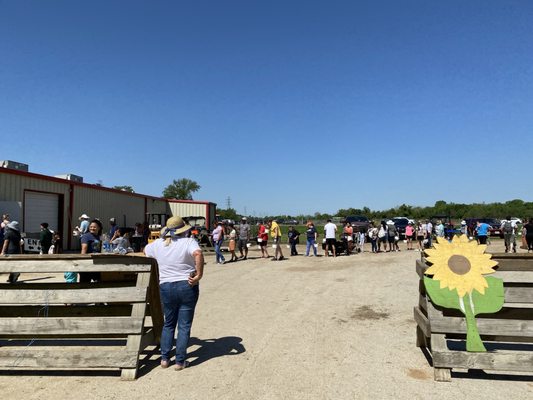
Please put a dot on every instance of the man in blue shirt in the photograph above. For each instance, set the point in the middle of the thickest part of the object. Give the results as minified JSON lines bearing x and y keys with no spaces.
{"x":482,"y":232}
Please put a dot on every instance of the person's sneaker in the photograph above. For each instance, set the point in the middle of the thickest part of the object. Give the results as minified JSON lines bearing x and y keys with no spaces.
{"x":165,"y":363}
{"x":179,"y":367}
{"x":281,"y":258}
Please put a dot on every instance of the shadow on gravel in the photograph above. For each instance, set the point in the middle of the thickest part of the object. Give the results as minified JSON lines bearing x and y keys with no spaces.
{"x":212,"y":348}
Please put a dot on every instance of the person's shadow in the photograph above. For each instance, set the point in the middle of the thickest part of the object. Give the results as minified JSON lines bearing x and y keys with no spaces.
{"x":211,"y":348}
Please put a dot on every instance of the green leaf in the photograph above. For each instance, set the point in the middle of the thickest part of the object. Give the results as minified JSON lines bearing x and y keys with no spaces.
{"x":442,"y":297}
{"x":493,"y":299}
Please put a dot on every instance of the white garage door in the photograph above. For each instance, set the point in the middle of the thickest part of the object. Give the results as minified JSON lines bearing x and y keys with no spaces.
{"x":39,"y":208}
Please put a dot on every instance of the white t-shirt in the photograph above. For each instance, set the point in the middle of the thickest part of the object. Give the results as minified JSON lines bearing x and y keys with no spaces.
{"x":330,"y":229}
{"x":176,"y":261}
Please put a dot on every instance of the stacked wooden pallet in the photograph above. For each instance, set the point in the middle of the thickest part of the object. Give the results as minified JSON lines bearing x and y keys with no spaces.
{"x":46,"y":323}
{"x":507,"y":334}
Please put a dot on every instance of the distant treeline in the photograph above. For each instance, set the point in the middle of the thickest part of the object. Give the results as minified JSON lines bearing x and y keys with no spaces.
{"x":513,"y":208}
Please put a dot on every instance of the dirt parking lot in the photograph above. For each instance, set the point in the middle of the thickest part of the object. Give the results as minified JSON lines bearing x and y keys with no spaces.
{"x":303,"y":328}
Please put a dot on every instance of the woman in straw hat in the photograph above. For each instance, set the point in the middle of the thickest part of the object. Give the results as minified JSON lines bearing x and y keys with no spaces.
{"x":181,"y":266}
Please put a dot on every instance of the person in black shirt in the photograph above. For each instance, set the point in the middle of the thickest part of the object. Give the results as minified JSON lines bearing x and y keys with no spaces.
{"x":293,"y":240}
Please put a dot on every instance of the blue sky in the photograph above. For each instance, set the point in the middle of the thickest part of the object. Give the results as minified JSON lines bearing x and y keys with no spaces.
{"x":286,"y":107}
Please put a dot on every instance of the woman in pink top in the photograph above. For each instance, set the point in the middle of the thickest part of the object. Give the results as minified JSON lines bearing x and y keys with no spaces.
{"x":409,"y":235}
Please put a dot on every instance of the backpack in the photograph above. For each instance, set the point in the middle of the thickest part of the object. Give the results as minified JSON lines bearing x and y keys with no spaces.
{"x":507,"y":227}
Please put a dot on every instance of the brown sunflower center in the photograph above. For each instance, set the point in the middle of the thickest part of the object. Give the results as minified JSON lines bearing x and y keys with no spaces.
{"x":459,"y":264}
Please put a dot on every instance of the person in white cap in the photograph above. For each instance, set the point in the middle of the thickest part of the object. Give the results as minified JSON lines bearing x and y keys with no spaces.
{"x":12,"y":245}
{"x":84,"y":225}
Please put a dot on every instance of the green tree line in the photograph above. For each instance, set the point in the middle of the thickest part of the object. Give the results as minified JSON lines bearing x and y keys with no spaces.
{"x":456,"y":211}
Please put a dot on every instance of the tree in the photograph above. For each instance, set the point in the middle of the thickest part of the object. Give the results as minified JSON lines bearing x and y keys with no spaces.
{"x":181,"y":189}
{"x":124,"y":188}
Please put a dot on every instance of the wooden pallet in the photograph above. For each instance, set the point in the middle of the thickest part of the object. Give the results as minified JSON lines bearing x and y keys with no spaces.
{"x":45,"y":324}
{"x":507,"y":334}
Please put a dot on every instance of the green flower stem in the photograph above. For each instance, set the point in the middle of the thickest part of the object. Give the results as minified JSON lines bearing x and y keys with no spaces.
{"x":473,"y":340}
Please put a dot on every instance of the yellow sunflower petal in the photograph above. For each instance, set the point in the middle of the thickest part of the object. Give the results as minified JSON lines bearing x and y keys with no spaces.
{"x":449,"y":269}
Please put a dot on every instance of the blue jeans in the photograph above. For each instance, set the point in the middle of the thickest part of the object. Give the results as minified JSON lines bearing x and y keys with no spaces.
{"x":179,"y":301}
{"x":219,"y":257}
{"x":310,"y":243}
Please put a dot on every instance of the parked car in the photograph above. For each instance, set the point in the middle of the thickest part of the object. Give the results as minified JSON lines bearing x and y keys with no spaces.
{"x":495,"y":225}
{"x":358,"y":222}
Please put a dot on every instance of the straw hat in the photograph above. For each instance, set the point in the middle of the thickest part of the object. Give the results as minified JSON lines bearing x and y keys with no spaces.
{"x":175,"y":226}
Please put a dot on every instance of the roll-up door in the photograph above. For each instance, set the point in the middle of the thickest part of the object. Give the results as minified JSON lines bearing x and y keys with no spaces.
{"x":38,"y":208}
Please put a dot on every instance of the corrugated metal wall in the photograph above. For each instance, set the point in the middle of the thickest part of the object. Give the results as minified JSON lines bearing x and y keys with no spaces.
{"x":12,"y":188}
{"x":187,"y":209}
{"x":104,"y":204}
{"x":96,"y":202}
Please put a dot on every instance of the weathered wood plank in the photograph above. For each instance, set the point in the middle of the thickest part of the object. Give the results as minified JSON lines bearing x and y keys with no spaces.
{"x":97,"y":295}
{"x":59,"y":266}
{"x":110,"y":310}
{"x":67,"y":358}
{"x":438,"y":344}
{"x":154,"y":304}
{"x":501,"y":327}
{"x":70,"y":325}
{"x":498,"y":361}
{"x":514,"y":276}
{"x":134,"y":341}
{"x":422,"y":321}
{"x":514,"y":294}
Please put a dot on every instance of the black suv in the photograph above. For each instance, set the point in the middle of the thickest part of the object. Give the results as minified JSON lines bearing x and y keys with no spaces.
{"x":359,"y":222}
{"x":401,"y":224}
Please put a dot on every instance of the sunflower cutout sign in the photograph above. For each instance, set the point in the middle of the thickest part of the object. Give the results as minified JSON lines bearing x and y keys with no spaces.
{"x":458,"y":269}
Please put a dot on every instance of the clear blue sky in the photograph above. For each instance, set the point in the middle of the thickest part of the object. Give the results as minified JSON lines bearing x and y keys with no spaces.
{"x":287,"y":107}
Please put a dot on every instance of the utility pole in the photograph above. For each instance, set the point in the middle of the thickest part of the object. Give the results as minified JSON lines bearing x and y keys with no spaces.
{"x":228,"y":203}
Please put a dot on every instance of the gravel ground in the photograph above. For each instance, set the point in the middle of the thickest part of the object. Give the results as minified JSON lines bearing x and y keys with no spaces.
{"x":303,"y":328}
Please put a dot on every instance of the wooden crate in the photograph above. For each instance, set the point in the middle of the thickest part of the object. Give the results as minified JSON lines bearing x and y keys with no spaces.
{"x":47,"y":323}
{"x":507,"y":334}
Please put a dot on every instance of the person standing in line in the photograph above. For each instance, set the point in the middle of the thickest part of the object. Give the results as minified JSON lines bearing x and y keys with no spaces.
{"x":57,"y":242}
{"x":362,"y":236}
{"x":439,"y":229}
{"x":373,"y":236}
{"x":181,"y":266}
{"x":275,"y":232}
{"x":262,"y":239}
{"x":3,"y":223}
{"x":392,"y":234}
{"x":91,"y":243}
{"x":12,"y":245}
{"x":348,"y":238}
{"x":112,"y":227}
{"x":382,"y":237}
{"x":482,"y":232}
{"x":508,"y":228}
{"x":218,"y":238}
{"x":409,"y":235}
{"x":244,"y":238}
{"x":84,"y":225}
{"x":293,"y":235}
{"x":420,"y":235}
{"x":45,"y":237}
{"x":231,"y":245}
{"x":528,"y":233}
{"x":330,"y":232}
{"x":311,"y":235}
{"x":429,"y":233}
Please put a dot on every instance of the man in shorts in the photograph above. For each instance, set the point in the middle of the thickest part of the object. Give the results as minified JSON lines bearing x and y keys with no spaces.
{"x":244,"y":238}
{"x":330,"y":232}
